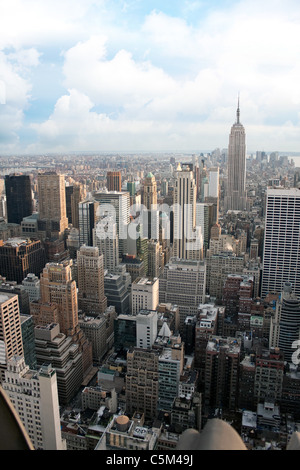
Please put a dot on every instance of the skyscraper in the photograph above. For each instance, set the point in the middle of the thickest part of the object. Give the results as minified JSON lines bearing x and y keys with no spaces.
{"x":188,"y":242}
{"x":91,"y":297}
{"x":105,"y":237}
{"x":281,"y":260}
{"x":18,"y":197}
{"x":219,"y":266}
{"x":146,"y":328}
{"x":142,"y":382}
{"x":87,"y":221}
{"x":100,"y":332}
{"x":35,"y":398}
{"x":55,"y":348}
{"x":116,"y":204}
{"x":74,"y":195}
{"x":285,"y":325}
{"x":59,"y":304}
{"x":117,"y":289}
{"x":31,"y":284}
{"x":236,"y":197}
{"x":269,"y":373}
{"x":151,"y":217}
{"x":58,"y":287}
{"x":144,"y":294}
{"x":69,"y":193}
{"x":53,"y":220}
{"x":153,"y":258}
{"x":114,"y":181}
{"x":205,"y":220}
{"x":183,"y":283}
{"x":213,"y":194}
{"x":19,"y":257}
{"x":221,"y":372}
{"x":150,"y":191}
{"x":170,"y":367}
{"x":213,"y":188}
{"x":27,"y":328}
{"x":11,"y":343}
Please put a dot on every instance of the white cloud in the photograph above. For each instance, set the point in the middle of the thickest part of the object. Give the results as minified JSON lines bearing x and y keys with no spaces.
{"x":74,"y":125}
{"x":120,"y":81}
{"x":14,"y":99}
{"x":42,"y":22}
{"x":171,"y":37}
{"x":24,"y":58}
{"x":166,"y":80}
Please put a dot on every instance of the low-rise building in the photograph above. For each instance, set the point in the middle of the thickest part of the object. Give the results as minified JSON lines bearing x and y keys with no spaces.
{"x":130,"y":434}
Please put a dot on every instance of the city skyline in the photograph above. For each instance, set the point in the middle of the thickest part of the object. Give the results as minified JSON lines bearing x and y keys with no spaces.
{"x":126,"y":76}
{"x":144,"y":341}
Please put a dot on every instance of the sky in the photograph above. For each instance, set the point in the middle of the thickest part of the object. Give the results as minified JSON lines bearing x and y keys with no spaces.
{"x":148,"y":76}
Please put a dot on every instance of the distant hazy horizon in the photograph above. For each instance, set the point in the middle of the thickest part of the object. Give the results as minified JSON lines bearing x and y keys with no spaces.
{"x":290,"y":154}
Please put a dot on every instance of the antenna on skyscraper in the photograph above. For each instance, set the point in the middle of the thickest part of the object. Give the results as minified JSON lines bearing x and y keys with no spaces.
{"x":238,"y":110}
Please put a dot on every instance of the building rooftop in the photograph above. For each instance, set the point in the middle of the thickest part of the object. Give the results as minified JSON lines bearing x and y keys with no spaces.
{"x":295,"y":192}
{"x":142,"y":281}
{"x":166,"y":354}
{"x":34,"y":217}
{"x":249,"y":419}
{"x":144,"y":312}
{"x":232,"y":345}
{"x":122,"y":424}
{"x":208,"y":311}
{"x":249,"y":362}
{"x":268,"y":411}
{"x":179,"y":263}
{"x":17,"y":241}
{"x":5,"y":297}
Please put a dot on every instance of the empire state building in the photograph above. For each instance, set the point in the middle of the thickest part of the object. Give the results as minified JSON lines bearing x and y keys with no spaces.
{"x":236,"y":198}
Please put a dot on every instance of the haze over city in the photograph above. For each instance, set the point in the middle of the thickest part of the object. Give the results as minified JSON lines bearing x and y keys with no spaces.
{"x":118,"y":75}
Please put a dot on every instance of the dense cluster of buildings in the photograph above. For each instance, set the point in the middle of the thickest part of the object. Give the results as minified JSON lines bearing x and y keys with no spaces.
{"x":143,"y":296}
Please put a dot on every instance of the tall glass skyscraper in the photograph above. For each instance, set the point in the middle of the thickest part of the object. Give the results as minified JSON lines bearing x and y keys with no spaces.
{"x":18,"y":197}
{"x":236,"y":198}
{"x":281,"y":256}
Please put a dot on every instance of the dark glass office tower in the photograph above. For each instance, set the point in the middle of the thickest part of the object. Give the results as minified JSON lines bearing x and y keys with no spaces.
{"x":18,"y":197}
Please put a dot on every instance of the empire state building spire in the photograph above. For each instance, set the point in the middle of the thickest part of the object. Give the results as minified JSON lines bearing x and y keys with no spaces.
{"x":238,"y":112}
